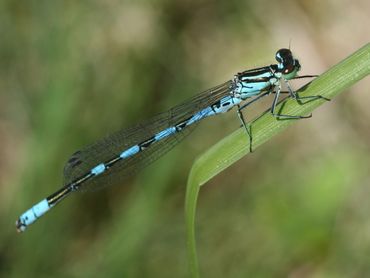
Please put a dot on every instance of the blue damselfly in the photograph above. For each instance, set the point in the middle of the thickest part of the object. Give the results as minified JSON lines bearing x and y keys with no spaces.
{"x":129,"y":150}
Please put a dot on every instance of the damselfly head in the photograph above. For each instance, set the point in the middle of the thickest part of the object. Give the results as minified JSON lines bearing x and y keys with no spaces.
{"x":287,"y":65}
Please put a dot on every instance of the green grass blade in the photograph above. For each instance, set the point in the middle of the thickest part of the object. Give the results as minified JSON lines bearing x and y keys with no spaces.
{"x":235,"y":146}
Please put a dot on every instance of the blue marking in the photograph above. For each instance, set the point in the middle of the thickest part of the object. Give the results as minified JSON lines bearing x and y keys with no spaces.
{"x":165,"y":133}
{"x":258,"y":86}
{"x":97,"y":170}
{"x":278,"y":57}
{"x":200,"y":115}
{"x":33,"y":213}
{"x":247,"y":90}
{"x":130,"y":152}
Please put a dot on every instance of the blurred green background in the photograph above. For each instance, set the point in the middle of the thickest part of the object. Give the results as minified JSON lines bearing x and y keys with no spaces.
{"x":74,"y":71}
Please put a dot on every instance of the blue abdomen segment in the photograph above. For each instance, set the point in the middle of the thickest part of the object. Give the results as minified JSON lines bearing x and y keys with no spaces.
{"x":129,"y":152}
{"x":200,"y":115}
{"x":222,"y":106}
{"x":32,"y":215}
{"x":97,"y":170}
{"x":165,"y":133}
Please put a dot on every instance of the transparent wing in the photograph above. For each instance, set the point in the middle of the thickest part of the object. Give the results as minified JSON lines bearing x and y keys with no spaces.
{"x":81,"y":162}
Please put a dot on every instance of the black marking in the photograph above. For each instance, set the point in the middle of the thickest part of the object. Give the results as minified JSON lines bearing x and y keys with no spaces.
{"x":256,"y":80}
{"x":111,"y":162}
{"x":252,"y":73}
{"x":146,"y":143}
{"x":213,"y":109}
{"x":216,"y":105}
{"x":179,"y":126}
{"x":34,"y":214}
{"x":75,"y":184}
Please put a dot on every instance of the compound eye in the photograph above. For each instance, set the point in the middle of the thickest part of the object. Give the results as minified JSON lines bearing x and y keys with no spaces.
{"x":283,"y":55}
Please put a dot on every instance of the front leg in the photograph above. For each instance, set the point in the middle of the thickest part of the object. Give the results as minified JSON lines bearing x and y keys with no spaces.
{"x":299,"y":99}
{"x":284,"y":116}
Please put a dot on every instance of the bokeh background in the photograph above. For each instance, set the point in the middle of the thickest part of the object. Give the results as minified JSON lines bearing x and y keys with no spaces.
{"x":74,"y":71}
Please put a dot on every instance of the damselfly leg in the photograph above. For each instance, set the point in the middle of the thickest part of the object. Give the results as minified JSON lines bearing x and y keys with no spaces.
{"x":246,"y":126}
{"x":293,"y":94}
{"x":298,"y":98}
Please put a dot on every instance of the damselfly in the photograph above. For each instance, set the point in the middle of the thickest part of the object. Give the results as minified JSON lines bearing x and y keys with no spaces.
{"x":129,"y":150}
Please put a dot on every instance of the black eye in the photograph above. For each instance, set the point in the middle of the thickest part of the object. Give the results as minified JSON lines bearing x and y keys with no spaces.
{"x":283,"y":55}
